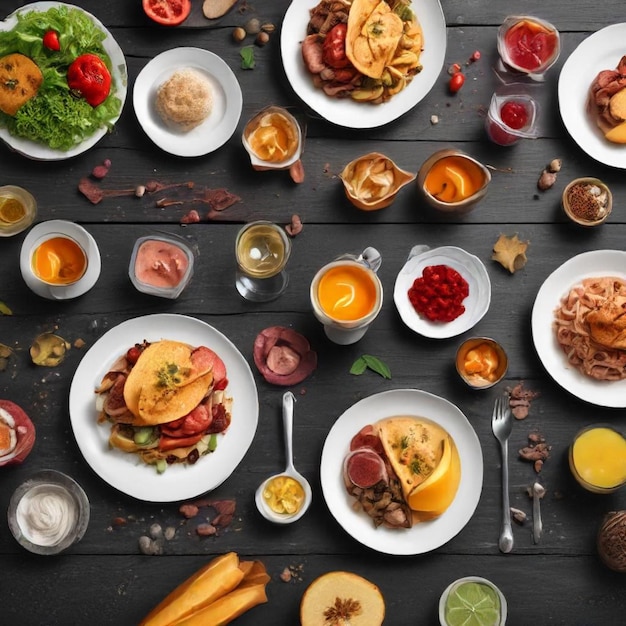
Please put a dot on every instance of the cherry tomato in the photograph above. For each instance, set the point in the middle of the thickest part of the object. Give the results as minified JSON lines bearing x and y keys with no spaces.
{"x":51,"y":40}
{"x":334,"y":47}
{"x":456,"y":82}
{"x":167,"y":12}
{"x":514,"y":114}
{"x":89,"y":76}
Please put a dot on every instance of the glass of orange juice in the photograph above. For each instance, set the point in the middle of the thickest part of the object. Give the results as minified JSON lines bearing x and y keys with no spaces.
{"x":597,"y":459}
{"x":347,"y":295}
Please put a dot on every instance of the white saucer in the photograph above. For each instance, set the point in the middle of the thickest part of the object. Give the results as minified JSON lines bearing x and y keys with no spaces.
{"x":469,"y":266}
{"x":86,"y":241}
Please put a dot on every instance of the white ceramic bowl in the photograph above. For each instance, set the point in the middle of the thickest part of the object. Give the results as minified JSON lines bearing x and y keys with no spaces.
{"x":470,"y":579}
{"x":469,"y":266}
{"x":86,"y":242}
{"x":63,"y":487}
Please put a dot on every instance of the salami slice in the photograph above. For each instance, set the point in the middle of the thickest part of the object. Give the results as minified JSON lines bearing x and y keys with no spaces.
{"x":364,"y":468}
{"x":283,"y":356}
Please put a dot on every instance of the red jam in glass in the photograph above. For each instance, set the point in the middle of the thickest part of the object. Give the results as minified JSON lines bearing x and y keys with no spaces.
{"x":513,"y":114}
{"x":530,"y":45}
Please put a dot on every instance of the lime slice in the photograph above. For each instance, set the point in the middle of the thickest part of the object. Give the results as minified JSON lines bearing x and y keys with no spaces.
{"x":11,"y":210}
{"x":472,"y":604}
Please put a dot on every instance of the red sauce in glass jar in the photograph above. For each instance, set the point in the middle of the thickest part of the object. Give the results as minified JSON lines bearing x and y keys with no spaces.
{"x":514,"y":115}
{"x":530,"y":45}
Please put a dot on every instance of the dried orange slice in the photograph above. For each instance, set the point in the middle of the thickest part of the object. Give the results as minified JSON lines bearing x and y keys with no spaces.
{"x":11,"y":210}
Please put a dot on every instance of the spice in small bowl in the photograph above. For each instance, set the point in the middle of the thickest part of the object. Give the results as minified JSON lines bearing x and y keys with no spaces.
{"x":587,"y":201}
{"x":161,"y":265}
{"x":48,"y":513}
{"x":481,"y":362}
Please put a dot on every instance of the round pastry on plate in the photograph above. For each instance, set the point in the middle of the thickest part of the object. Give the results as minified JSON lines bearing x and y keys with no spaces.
{"x":200,"y":117}
{"x":421,"y":279}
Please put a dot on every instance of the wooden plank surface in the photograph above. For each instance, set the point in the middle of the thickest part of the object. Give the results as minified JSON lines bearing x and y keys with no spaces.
{"x":105,"y":579}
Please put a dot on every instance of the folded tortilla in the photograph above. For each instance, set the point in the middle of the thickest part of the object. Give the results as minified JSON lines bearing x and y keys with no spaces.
{"x":168,"y":381}
{"x":414,"y":447}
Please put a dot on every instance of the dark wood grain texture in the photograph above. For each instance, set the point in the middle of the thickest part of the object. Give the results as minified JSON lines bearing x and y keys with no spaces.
{"x":104,"y":579}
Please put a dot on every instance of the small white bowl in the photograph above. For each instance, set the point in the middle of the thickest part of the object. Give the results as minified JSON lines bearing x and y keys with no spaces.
{"x":471,"y":579}
{"x":65,"y":488}
{"x":469,"y":266}
{"x":86,"y":242}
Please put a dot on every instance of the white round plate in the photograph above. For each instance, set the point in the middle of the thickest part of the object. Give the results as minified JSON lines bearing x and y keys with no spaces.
{"x":124,"y":471}
{"x":41,"y":152}
{"x":600,"y":51}
{"x":556,"y":286}
{"x":83,"y":238}
{"x":469,"y":266}
{"x":421,"y":537}
{"x":221,"y":123}
{"x":347,"y":112}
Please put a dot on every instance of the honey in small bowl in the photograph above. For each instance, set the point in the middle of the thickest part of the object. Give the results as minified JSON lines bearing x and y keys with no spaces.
{"x":273,"y":139}
{"x":18,"y":210}
{"x":481,"y":362}
{"x":452,"y":181}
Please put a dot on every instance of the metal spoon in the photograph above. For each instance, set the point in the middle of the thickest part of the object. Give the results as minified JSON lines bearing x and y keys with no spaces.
{"x":290,"y":471}
{"x":538,"y":491}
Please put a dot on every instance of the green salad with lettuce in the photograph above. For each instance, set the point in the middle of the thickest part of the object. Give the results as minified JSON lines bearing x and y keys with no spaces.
{"x":56,"y":116}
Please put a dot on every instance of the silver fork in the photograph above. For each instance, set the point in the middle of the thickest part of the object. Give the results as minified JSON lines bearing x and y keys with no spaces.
{"x":502,"y":425}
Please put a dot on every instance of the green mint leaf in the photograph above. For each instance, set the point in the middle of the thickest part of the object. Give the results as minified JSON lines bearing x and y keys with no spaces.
{"x":4,"y":309}
{"x":376,"y":365}
{"x":247,"y":57}
{"x":358,"y":367}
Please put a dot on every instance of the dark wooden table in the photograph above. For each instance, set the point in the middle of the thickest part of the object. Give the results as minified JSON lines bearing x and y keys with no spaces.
{"x":105,"y":579}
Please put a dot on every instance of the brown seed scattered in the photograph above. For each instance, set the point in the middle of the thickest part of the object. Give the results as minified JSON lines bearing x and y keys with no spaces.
{"x":206,"y":530}
{"x":296,"y":171}
{"x":295,"y":227}
{"x":188,"y":510}
{"x":262,"y":38}
{"x":239,"y":34}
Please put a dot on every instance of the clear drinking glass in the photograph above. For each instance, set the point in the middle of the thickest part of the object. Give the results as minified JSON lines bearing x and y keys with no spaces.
{"x":262,"y":250}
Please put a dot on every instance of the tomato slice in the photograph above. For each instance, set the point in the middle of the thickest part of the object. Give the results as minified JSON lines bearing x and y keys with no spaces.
{"x":167,"y":12}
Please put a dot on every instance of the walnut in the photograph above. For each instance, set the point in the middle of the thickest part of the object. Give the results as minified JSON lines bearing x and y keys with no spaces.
{"x":611,"y":541}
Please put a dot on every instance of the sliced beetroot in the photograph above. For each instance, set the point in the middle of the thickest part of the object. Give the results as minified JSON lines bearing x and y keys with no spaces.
{"x":367,"y":437}
{"x":365,"y":468}
{"x":16,"y":422}
{"x":283,"y":356}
